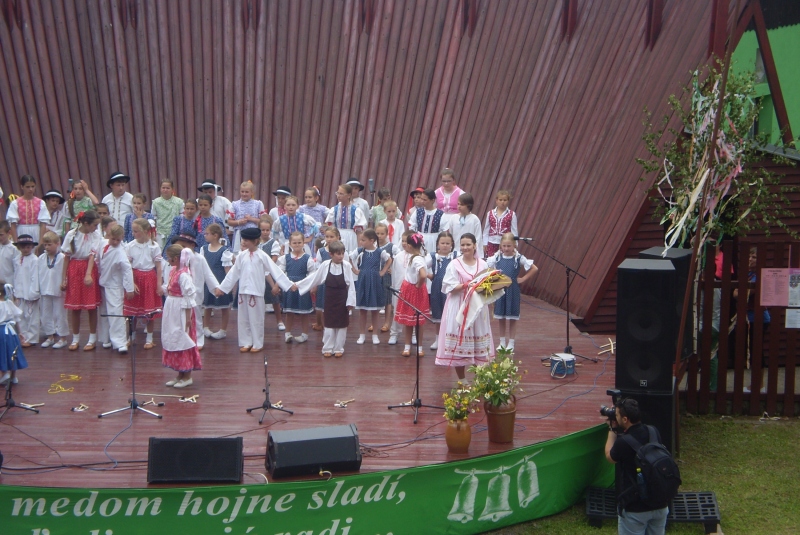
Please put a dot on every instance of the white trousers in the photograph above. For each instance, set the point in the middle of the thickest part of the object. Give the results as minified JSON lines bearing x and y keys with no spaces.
{"x":102,"y":323}
{"x":117,"y":327}
{"x":53,"y":315}
{"x":396,"y":329}
{"x":250,"y":320}
{"x":29,"y":324}
{"x":333,"y":340}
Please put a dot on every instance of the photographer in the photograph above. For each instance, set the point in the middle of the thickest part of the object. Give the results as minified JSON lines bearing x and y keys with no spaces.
{"x":635,"y":517}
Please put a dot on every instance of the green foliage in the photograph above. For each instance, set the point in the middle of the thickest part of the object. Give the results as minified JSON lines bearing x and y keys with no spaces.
{"x":497,"y":380}
{"x":740,"y":196}
{"x":460,"y":402}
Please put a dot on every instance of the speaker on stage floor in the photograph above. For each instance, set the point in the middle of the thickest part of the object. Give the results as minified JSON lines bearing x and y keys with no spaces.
{"x":173,"y":460}
{"x":646,"y":325}
{"x":308,"y":451}
{"x":681,"y":260}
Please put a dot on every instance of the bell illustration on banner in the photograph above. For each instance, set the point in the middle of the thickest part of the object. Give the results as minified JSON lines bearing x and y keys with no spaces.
{"x":464,"y":505}
{"x":527,"y":483}
{"x":497,"y":499}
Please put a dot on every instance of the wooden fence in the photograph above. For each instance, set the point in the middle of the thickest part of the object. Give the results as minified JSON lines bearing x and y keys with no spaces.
{"x":765,"y":349}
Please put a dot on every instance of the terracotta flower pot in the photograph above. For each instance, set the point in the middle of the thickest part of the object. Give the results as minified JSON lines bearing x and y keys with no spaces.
{"x":458,"y":436}
{"x":500,"y":420}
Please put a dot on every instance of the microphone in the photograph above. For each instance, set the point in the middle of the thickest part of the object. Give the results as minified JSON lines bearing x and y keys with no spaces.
{"x":523,"y":238}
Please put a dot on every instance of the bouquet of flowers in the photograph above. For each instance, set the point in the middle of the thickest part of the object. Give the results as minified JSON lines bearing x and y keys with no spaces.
{"x":497,"y":380}
{"x":460,"y":402}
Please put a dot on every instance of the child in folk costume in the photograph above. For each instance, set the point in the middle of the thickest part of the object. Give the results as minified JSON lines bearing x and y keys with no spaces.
{"x":249,"y":270}
{"x":220,"y":259}
{"x":400,"y":258}
{"x":205,"y":217}
{"x":447,"y":196}
{"x":293,"y":221}
{"x":465,"y":222}
{"x":51,"y":303}
{"x":80,"y":276}
{"x":370,"y":264}
{"x":362,"y":204}
{"x":9,"y":254}
{"x":323,"y":254}
{"x":438,"y":266}
{"x":183,"y":224}
{"x":429,"y":220}
{"x":116,"y":280}
{"x":413,"y":291}
{"x":378,"y":212}
{"x":145,"y":258}
{"x":220,"y":205}
{"x":26,"y":290}
{"x":138,"y":203}
{"x":394,"y":226}
{"x":178,"y":335}
{"x":511,"y":263}
{"x":499,"y":221}
{"x":272,"y":248}
{"x":244,"y":213}
{"x":81,"y":199}
{"x":415,"y":200}
{"x":103,"y":336}
{"x":55,"y":207}
{"x":347,"y":217}
{"x":466,"y":342}
{"x":297,"y":264}
{"x":119,"y":201}
{"x":28,"y":214}
{"x":382,"y":231}
{"x":312,"y":208}
{"x":336,"y":277}
{"x":165,"y":209}
{"x":201,"y":275}
{"x":10,"y":314}
{"x":281,"y":194}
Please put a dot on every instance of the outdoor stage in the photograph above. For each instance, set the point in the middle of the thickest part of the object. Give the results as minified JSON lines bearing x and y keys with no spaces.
{"x":60,"y":447}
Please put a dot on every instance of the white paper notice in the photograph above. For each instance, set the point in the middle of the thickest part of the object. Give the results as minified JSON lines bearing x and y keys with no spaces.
{"x":793,"y":318}
{"x":794,"y":287}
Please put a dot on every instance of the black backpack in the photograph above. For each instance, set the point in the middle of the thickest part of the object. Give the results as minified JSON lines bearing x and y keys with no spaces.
{"x":659,"y":470}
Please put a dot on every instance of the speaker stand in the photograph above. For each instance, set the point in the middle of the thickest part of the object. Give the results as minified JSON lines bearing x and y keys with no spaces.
{"x":267,"y":404}
{"x":569,"y":270}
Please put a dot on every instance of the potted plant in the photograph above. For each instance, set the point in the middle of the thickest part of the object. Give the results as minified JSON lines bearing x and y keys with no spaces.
{"x":458,"y":405}
{"x":496,"y":382}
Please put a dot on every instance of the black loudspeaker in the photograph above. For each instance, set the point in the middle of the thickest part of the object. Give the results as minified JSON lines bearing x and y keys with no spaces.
{"x":307,"y":451}
{"x":681,"y":260}
{"x":646,"y":325}
{"x":658,"y":410}
{"x":172,"y":460}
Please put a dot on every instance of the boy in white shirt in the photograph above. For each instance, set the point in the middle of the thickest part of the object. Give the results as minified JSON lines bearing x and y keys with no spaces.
{"x":119,"y":201}
{"x":395,"y":226}
{"x":250,"y":270}
{"x":51,"y":304}
{"x":26,"y":290}
{"x":116,"y":280}
{"x":9,"y":254}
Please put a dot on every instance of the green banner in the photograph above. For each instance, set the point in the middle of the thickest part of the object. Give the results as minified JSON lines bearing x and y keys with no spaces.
{"x":465,"y":497}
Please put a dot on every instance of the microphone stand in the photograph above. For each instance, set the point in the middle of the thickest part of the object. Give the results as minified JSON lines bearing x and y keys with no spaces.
{"x":133,"y":405}
{"x":568,"y":348}
{"x":415,"y":403}
{"x":10,"y":403}
{"x":267,"y":404}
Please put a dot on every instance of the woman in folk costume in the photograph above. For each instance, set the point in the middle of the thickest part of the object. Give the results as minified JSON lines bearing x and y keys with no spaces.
{"x":465,"y":336}
{"x":28,"y":214}
{"x":178,"y":332}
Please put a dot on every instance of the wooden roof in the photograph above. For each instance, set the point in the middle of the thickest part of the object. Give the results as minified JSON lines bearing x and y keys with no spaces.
{"x":511,"y":94}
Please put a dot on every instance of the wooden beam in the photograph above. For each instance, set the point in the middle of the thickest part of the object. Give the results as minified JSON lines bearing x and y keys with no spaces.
{"x":718,"y":34}
{"x":772,"y":74}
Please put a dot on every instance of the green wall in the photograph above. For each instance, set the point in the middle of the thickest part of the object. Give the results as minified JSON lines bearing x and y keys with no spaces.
{"x":785,"y":43}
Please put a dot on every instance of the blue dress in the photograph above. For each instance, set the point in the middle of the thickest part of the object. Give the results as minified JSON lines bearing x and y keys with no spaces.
{"x":386,"y":281}
{"x":323,"y":255}
{"x":214,"y":260}
{"x":507,"y":307}
{"x":438,"y":268}
{"x":128,"y":226}
{"x":10,"y":341}
{"x":370,"y":294}
{"x":296,"y":270}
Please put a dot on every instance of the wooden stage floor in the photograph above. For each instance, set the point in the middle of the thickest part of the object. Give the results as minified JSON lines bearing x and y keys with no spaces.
{"x":63,"y":448}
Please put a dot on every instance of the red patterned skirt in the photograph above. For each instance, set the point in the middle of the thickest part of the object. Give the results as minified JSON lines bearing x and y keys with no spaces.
{"x":490,"y":249}
{"x":417,"y":296}
{"x":147,"y":300}
{"x":79,"y":296}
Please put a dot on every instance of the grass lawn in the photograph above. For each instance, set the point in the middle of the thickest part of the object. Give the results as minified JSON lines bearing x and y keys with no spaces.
{"x":751,"y":465}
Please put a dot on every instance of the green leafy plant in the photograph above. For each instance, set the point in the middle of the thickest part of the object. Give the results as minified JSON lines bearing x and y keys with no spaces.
{"x":692,"y":162}
{"x":460,"y":402}
{"x":497,"y":380}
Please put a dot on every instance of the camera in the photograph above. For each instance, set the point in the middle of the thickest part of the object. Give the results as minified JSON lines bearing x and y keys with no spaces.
{"x":608,"y":412}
